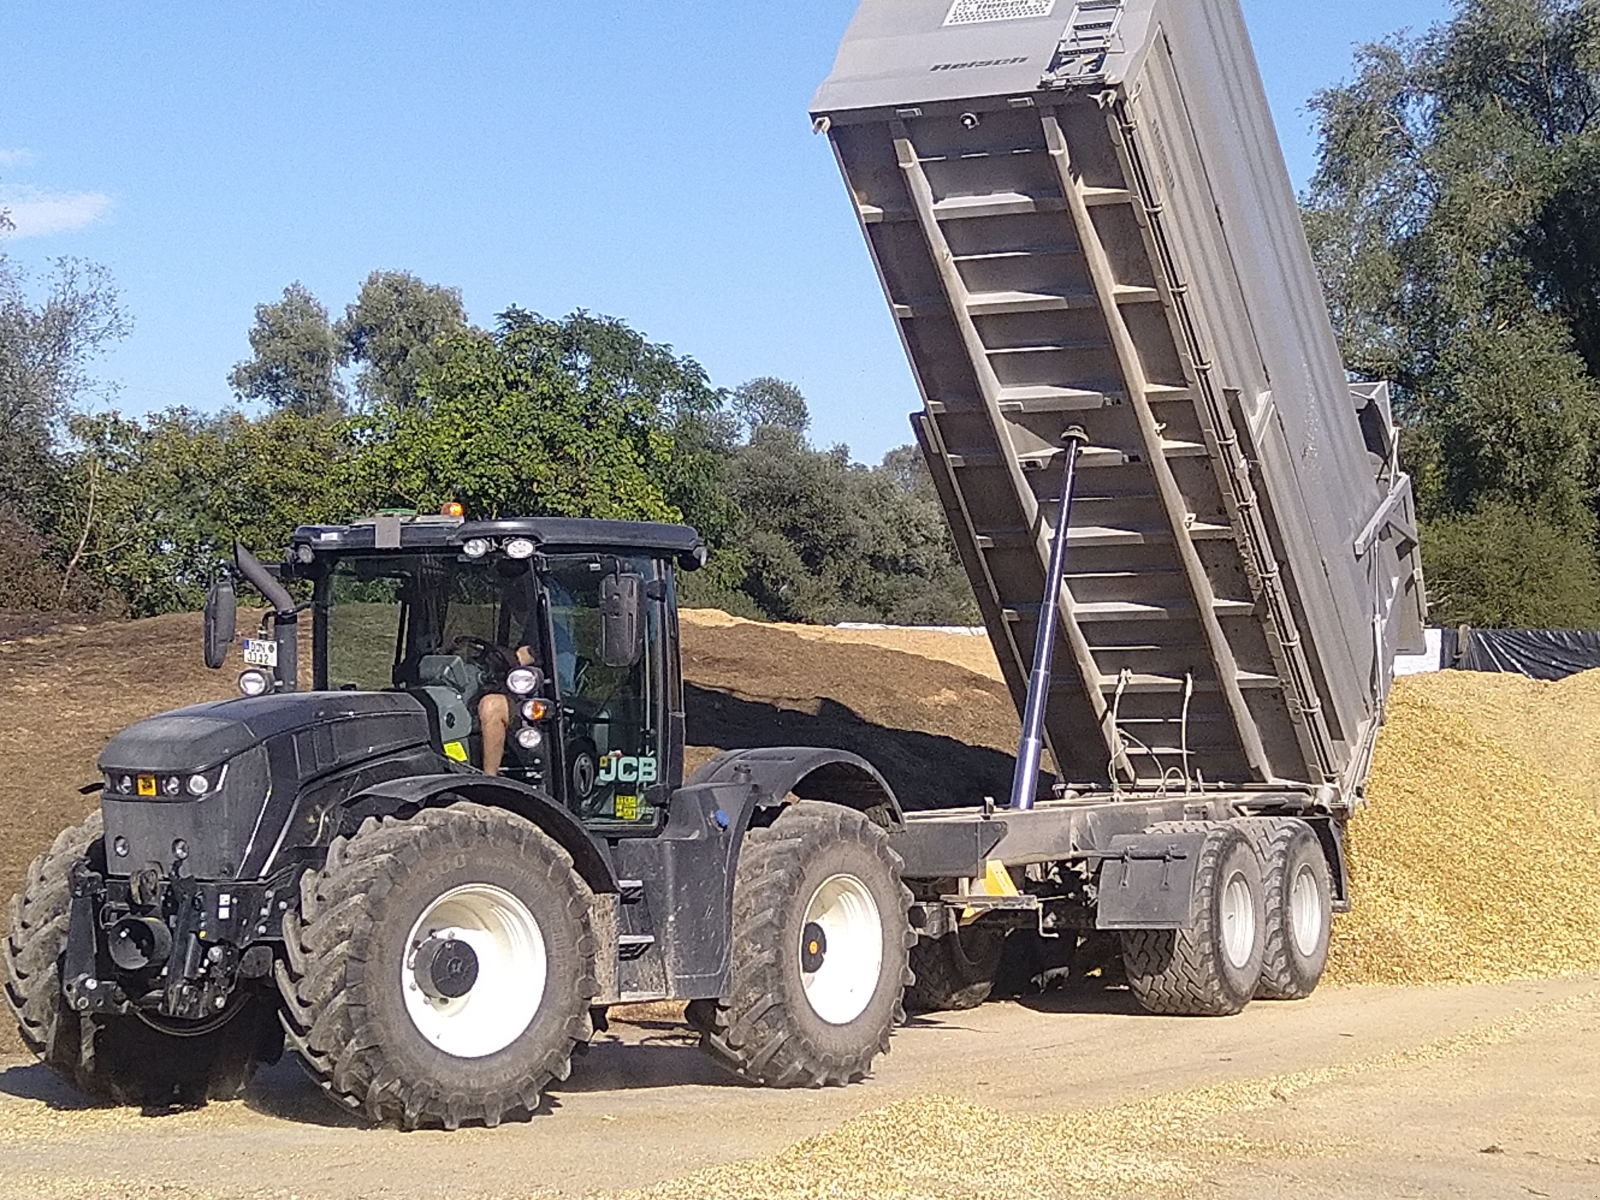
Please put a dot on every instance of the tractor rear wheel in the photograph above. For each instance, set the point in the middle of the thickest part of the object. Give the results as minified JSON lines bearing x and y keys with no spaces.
{"x":820,"y":938}
{"x":1213,"y":968}
{"x":124,"y":1059}
{"x":440,"y":968}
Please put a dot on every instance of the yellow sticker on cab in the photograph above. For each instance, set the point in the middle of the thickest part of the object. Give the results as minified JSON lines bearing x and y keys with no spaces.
{"x":147,"y":785}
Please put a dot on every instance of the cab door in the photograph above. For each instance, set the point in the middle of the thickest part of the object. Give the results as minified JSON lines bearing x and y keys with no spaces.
{"x":610,"y":698}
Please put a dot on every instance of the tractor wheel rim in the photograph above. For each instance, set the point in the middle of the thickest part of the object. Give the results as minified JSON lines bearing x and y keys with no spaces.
{"x":1238,"y":921}
{"x":848,"y":958}
{"x":509,"y":986}
{"x":1305,"y":911}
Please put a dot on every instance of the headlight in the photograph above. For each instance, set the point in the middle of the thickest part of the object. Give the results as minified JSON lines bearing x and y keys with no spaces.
{"x":255,"y":683}
{"x":521,"y":681}
{"x":198,"y":785}
{"x":535,"y":710}
{"x":171,"y":785}
{"x":476,"y":547}
{"x":529,"y":738}
{"x":519,"y":548}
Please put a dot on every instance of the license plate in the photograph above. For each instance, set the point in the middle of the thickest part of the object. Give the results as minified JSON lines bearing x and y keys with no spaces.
{"x":260,"y":652}
{"x":147,"y":785}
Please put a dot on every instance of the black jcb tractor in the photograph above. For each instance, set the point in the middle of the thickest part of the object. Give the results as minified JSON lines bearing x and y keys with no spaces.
{"x":429,"y":872}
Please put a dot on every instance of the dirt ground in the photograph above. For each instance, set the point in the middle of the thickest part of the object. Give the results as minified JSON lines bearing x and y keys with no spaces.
{"x":1485,"y":1090}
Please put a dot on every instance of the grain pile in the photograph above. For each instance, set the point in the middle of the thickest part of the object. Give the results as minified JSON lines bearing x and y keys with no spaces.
{"x":1478,"y":858}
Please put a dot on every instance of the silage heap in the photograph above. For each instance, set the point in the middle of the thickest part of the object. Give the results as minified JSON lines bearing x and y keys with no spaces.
{"x":1478,"y":856}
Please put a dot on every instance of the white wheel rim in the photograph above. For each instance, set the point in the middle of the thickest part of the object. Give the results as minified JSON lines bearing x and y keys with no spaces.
{"x":1305,"y":911}
{"x":1238,"y":921}
{"x":511,"y":962}
{"x":851,"y":952}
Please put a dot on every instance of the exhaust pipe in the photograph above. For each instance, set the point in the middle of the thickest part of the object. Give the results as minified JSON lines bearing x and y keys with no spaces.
{"x":285,"y":621}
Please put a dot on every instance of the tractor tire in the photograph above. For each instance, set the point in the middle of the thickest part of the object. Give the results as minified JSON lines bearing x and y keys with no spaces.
{"x":440,"y":968}
{"x":956,"y":971}
{"x":1213,"y":968}
{"x":820,"y":952}
{"x":1298,"y":897}
{"x":122,"y":1059}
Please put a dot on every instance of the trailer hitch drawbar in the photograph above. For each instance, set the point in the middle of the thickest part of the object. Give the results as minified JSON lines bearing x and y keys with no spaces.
{"x":1026,"y":780}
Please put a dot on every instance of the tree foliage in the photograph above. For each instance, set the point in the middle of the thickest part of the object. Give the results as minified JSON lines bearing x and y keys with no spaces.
{"x":576,"y":416}
{"x":147,"y":508}
{"x":46,"y":346}
{"x":770,"y":403}
{"x":823,"y":539}
{"x":293,"y":367}
{"x":518,"y":422}
{"x":395,"y":331}
{"x":1452,"y":220}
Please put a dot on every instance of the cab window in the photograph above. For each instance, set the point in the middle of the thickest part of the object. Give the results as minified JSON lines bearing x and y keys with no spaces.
{"x":610,"y":714}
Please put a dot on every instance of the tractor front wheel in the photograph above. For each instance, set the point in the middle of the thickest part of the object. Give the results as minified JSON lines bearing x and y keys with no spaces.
{"x":440,"y":968}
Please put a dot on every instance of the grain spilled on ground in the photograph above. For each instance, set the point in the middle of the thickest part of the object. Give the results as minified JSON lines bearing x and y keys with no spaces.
{"x":1478,"y":857}
{"x":941,"y":1148}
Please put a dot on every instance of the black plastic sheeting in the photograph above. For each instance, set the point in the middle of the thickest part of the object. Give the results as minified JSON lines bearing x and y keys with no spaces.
{"x":1536,"y":653}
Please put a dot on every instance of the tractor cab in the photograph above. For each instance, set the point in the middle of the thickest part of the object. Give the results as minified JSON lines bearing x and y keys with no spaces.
{"x":540,"y":649}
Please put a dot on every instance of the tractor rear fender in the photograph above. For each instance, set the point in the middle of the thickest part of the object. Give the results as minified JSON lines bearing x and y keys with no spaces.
{"x":770,"y":775}
{"x":589,"y":856}
{"x":693,"y":862}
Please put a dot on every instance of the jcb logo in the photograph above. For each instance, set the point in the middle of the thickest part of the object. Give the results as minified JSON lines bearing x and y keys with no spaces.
{"x":621,"y":768}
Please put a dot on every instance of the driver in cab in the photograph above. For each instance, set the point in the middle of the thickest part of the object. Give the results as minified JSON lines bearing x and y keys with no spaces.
{"x":494,"y":706}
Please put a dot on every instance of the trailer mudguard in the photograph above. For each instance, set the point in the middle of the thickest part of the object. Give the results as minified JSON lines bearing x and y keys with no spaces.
{"x":589,"y":857}
{"x":1147,"y":881}
{"x":808,"y":772}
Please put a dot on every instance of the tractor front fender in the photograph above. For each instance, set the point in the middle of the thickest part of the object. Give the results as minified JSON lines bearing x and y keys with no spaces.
{"x":590,"y":857}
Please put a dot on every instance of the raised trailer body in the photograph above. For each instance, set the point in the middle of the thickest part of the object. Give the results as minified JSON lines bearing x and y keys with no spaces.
{"x":1081,"y":217}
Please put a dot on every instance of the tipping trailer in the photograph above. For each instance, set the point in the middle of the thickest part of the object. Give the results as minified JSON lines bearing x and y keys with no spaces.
{"x":430,"y":872}
{"x":1087,"y":235}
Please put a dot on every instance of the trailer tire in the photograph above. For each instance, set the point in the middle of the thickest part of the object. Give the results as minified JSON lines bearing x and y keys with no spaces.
{"x":1213,"y":968}
{"x":124,"y":1058}
{"x":955,"y":971}
{"x":407,"y":924}
{"x":817,"y":868}
{"x":1298,"y":898}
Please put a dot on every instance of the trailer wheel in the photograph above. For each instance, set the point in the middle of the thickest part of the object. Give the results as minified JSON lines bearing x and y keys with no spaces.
{"x":820,"y":937}
{"x":123,"y":1059}
{"x":1299,"y":906}
{"x":1213,"y":968}
{"x":440,"y":968}
{"x":955,"y":971}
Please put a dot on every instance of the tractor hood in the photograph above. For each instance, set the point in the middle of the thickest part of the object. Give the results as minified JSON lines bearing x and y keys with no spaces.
{"x":328,"y":729}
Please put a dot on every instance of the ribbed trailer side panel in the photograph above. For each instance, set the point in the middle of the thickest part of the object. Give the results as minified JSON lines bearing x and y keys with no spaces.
{"x":1082,"y":218}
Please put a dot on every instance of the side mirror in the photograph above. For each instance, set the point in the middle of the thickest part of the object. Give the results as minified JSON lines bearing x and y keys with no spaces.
{"x":621,"y":619}
{"x":221,"y":619}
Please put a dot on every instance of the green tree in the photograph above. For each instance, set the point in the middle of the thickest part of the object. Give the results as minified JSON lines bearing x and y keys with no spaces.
{"x":396,"y":330}
{"x":763,"y":402}
{"x":825,"y":539}
{"x":147,"y":508}
{"x":1451,"y":219}
{"x":295,"y":356}
{"x":46,"y":346}
{"x":1501,"y":567}
{"x":509,"y":424}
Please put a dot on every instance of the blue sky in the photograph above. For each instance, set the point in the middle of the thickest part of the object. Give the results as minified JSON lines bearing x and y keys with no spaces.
{"x":649,"y":161}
